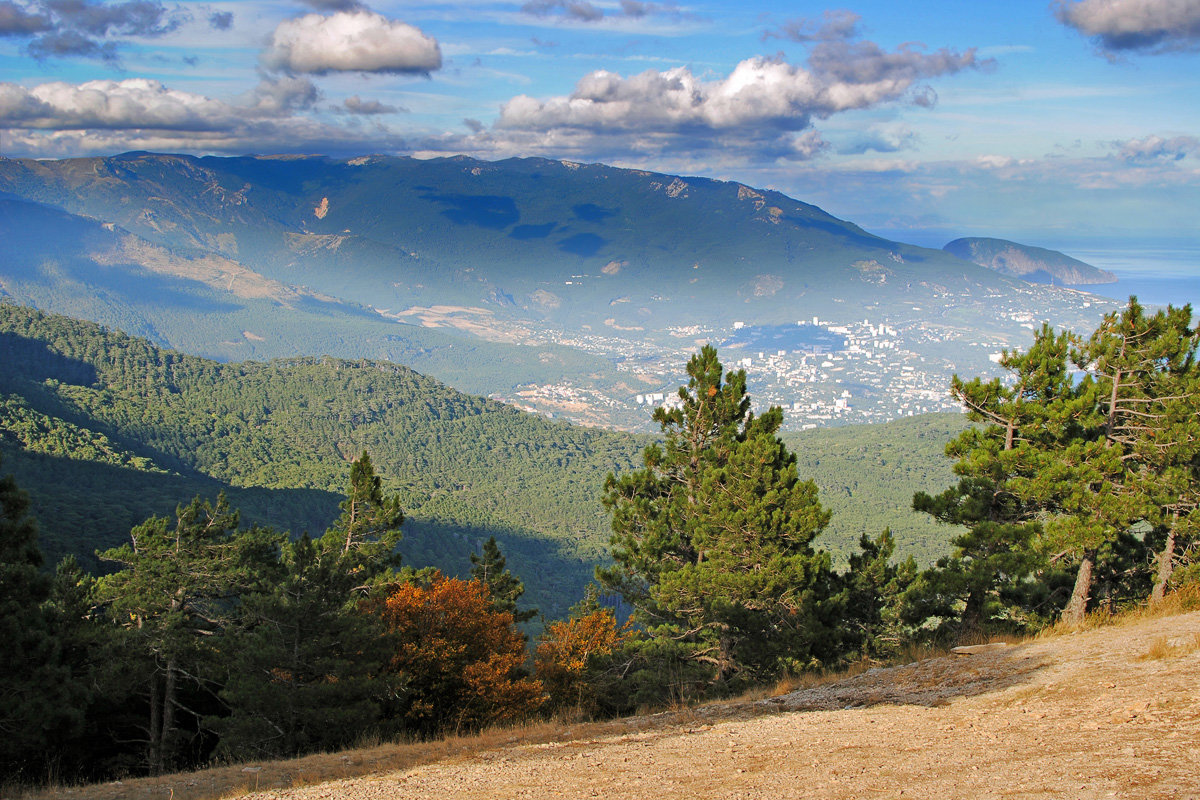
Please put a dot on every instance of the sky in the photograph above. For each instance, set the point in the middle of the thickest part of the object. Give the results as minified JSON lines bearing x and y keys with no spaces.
{"x":1044,"y":121}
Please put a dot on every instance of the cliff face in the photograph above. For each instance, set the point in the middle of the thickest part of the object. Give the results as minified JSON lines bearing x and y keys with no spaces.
{"x":1034,"y":264}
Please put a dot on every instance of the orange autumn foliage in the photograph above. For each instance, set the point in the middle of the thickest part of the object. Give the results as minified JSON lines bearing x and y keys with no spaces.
{"x":566,"y":651}
{"x":457,"y":659}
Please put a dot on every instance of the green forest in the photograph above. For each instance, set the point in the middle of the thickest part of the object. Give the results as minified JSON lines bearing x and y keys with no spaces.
{"x":104,"y":430}
{"x":324,"y":615}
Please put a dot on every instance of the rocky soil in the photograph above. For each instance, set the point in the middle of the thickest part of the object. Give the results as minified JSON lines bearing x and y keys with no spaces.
{"x":1109,"y":712}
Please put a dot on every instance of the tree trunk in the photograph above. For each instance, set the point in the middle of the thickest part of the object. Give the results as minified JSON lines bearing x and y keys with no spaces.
{"x":1077,"y":607}
{"x":168,"y":714}
{"x":155,"y":754}
{"x":972,"y":616}
{"x":1166,"y":564}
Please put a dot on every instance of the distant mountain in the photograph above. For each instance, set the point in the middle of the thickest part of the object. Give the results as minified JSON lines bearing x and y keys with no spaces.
{"x":1034,"y":264}
{"x":213,"y":306}
{"x":583,"y":245}
{"x":568,"y":288}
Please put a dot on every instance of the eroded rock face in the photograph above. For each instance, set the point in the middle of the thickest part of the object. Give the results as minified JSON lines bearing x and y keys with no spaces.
{"x":1034,"y":264}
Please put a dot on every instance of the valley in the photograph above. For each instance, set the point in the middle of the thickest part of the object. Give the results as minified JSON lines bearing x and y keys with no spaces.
{"x":571,"y":290}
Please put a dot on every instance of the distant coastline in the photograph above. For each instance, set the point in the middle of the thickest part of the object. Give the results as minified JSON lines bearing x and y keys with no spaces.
{"x":1158,"y":271}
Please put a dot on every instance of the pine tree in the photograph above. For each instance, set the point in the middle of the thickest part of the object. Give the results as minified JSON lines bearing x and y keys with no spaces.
{"x":305,"y":659}
{"x":994,"y":554}
{"x":1146,"y":380}
{"x":39,"y":700}
{"x":1084,"y":459}
{"x":301,"y":664}
{"x":177,"y":589}
{"x":712,"y":537}
{"x":504,"y":587}
{"x":365,"y":536}
{"x":870,"y":600}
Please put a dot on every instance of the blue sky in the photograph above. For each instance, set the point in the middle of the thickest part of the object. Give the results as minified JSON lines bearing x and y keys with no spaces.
{"x":1046,"y":121}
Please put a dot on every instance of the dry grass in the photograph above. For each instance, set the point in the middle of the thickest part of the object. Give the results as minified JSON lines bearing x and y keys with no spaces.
{"x":235,"y":780}
{"x":1172,"y":647}
{"x":1181,"y":601}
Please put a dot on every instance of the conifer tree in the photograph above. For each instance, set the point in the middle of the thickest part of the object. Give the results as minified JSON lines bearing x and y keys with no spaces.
{"x":712,"y":538}
{"x":1146,"y":380}
{"x":177,"y":589}
{"x":365,"y":536}
{"x":307,"y":655}
{"x":39,"y":701}
{"x":871,"y":598}
{"x":1084,"y":459}
{"x":302,"y":662}
{"x":506,"y":589}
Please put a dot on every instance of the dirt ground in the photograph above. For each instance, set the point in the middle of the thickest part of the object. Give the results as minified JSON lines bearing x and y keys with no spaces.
{"x":1109,"y":712}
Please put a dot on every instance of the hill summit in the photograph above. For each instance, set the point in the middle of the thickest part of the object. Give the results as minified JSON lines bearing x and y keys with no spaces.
{"x":1033,"y":264}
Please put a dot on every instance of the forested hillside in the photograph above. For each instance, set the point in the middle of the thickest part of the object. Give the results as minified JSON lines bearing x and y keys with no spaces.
{"x":868,"y":474}
{"x":108,"y":429}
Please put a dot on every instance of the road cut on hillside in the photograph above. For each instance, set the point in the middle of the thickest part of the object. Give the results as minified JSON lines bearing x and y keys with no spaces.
{"x":1112,"y":712}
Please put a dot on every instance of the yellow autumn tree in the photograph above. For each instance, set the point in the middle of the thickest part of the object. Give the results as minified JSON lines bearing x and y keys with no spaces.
{"x":569,"y":650}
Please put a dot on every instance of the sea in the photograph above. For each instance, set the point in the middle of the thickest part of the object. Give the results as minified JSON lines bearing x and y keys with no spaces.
{"x":1160,"y":271}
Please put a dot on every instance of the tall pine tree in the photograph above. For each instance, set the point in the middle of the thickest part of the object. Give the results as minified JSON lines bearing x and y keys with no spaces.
{"x":177,"y":590}
{"x":712,"y":538}
{"x":490,"y":567}
{"x":39,"y":700}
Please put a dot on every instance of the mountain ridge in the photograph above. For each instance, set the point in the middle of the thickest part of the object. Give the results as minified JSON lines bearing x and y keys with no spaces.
{"x":1034,"y":264}
{"x":559,"y":279}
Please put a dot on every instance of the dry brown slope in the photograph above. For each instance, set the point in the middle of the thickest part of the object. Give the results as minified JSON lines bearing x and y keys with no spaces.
{"x":1086,"y":715}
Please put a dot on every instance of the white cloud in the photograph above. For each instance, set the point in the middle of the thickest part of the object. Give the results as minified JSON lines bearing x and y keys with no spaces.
{"x":1154,"y":26}
{"x":1153,"y":148}
{"x":350,"y":41}
{"x":758,"y":92}
{"x":132,"y":103}
{"x":97,"y":117}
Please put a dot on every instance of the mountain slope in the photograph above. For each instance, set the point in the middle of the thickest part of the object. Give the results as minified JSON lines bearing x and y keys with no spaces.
{"x":1034,"y":264}
{"x":573,"y":288}
{"x":125,"y":413}
{"x":1108,"y":712}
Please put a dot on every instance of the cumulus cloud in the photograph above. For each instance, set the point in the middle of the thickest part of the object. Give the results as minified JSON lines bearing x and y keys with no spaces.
{"x":18,"y":21}
{"x":84,"y":28}
{"x":64,"y":119}
{"x":356,"y":105}
{"x":350,"y":41}
{"x":221,"y":20}
{"x":761,"y":112}
{"x":760,"y":95}
{"x":1158,"y":148}
{"x":132,"y":103}
{"x":833,"y":25}
{"x":1152,"y":26}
